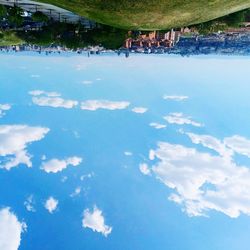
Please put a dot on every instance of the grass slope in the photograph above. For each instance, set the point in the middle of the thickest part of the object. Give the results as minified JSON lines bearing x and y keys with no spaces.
{"x":9,"y":38}
{"x":153,"y":14}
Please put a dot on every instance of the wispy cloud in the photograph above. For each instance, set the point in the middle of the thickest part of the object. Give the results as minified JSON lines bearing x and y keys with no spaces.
{"x":34,"y":76}
{"x":87,"y":82}
{"x":181,"y":119}
{"x":93,"y":105}
{"x":238,"y":144}
{"x":29,"y":204}
{"x":139,"y":110}
{"x":4,"y":108}
{"x":76,"y":192}
{"x":157,"y":125}
{"x":128,"y":153}
{"x":175,"y":97}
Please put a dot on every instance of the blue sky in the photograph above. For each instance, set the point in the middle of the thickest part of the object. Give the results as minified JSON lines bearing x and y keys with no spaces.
{"x":148,"y":152}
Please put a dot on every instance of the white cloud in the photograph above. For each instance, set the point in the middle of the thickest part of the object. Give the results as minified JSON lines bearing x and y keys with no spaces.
{"x":14,"y":141}
{"x":54,"y":102}
{"x":157,"y":125}
{"x":211,"y":143}
{"x":76,"y":192}
{"x":34,"y":76}
{"x":151,"y":155}
{"x":144,"y":169}
{"x":36,"y":92}
{"x":89,"y":175}
{"x":87,"y":82}
{"x":103,"y":104}
{"x":51,"y":204}
{"x":64,"y":178}
{"x":175,"y":97}
{"x":204,"y":181}
{"x":51,"y":99}
{"x":55,"y":165}
{"x":95,"y":221}
{"x":128,"y":153}
{"x":11,"y":230}
{"x":139,"y":110}
{"x":41,"y":92}
{"x":238,"y":144}
{"x":180,"y":119}
{"x":29,"y":204}
{"x":3,"y":108}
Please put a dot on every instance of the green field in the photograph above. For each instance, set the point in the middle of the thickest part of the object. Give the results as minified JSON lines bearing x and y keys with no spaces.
{"x":154,"y":14}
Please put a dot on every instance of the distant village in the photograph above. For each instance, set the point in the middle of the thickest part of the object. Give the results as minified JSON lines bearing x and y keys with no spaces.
{"x":187,"y":41}
{"x":155,"y":39}
{"x":231,"y":43}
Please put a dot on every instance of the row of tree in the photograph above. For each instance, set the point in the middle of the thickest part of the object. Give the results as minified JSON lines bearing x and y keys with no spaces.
{"x":15,"y":16}
{"x":234,"y":20}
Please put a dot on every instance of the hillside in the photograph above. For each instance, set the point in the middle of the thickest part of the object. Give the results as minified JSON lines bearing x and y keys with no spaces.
{"x":154,"y":14}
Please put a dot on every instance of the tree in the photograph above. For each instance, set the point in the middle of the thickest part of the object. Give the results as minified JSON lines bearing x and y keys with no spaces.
{"x":38,"y":16}
{"x":15,"y":16}
{"x":3,"y":11}
{"x":235,"y":19}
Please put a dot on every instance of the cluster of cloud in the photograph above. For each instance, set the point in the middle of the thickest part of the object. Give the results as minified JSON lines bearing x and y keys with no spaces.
{"x":14,"y":141}
{"x":11,"y":230}
{"x":181,"y":119}
{"x":205,"y":181}
{"x":51,"y":99}
{"x":157,"y":125}
{"x":175,"y":97}
{"x":95,"y":221}
{"x":51,"y":204}
{"x":139,"y":110}
{"x":4,"y":108}
{"x":93,"y":105}
{"x":56,"y":165}
{"x":54,"y":99}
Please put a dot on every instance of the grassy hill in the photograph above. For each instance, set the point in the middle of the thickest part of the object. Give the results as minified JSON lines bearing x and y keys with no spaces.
{"x":153,"y":14}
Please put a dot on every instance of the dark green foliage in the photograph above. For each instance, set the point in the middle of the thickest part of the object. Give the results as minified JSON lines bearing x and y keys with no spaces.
{"x":234,"y":20}
{"x":75,"y":36}
{"x":15,"y":16}
{"x":3,"y":11}
{"x":38,"y":16}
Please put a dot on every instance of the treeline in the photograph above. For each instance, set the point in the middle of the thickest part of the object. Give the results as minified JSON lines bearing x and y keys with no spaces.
{"x":233,"y":20}
{"x":75,"y":36}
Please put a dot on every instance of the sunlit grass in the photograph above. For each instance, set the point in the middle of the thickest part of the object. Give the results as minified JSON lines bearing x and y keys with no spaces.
{"x":154,"y":14}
